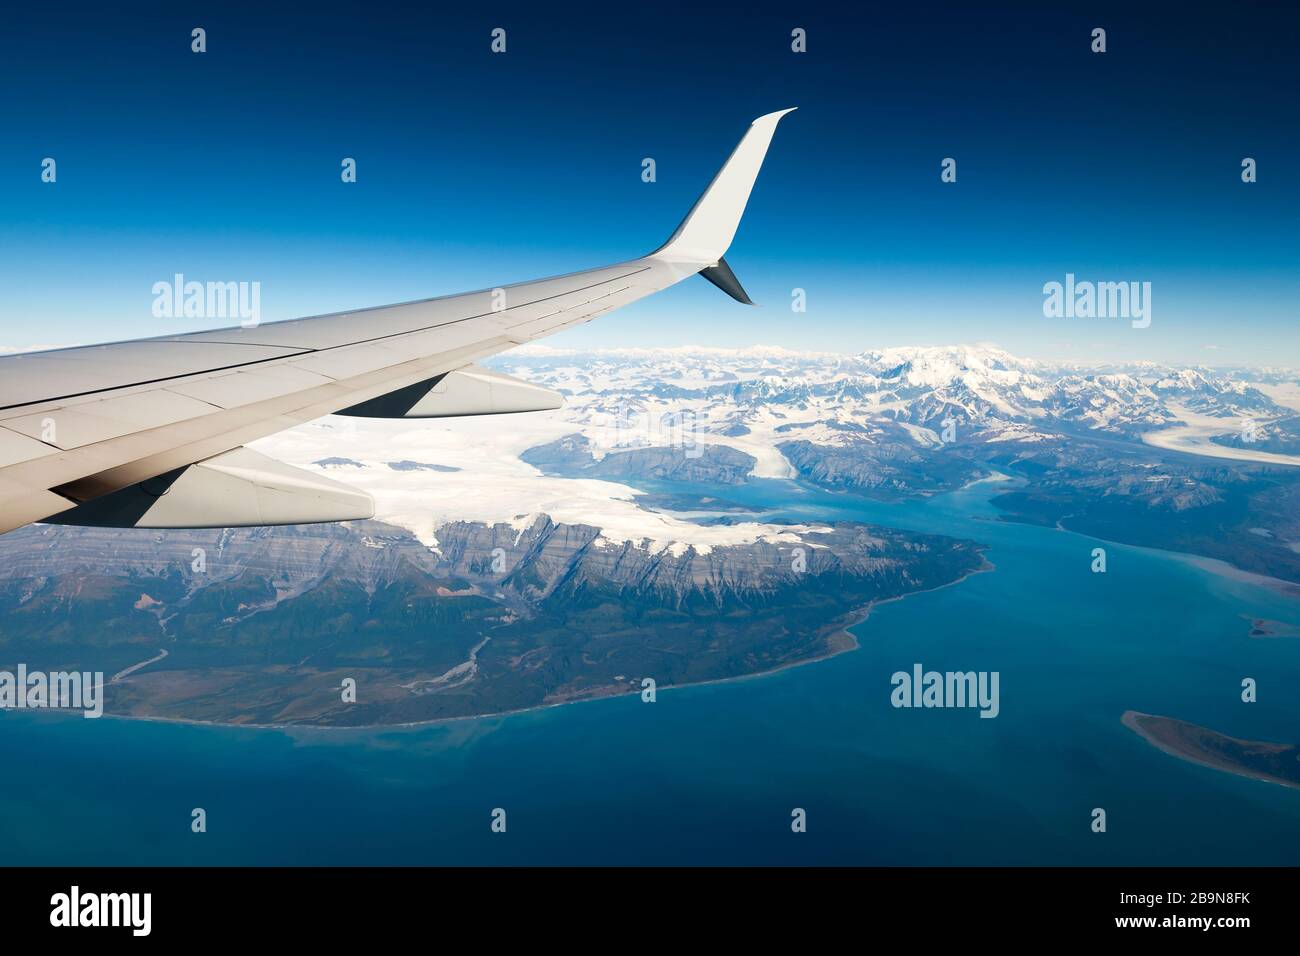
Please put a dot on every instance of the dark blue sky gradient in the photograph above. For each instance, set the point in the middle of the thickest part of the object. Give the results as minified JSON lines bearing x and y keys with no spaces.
{"x":478,"y":169}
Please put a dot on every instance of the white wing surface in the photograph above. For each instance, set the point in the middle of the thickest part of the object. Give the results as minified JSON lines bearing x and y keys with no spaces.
{"x":149,"y":433}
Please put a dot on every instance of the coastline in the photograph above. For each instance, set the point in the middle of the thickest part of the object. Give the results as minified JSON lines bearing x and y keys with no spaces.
{"x":1225,"y":569}
{"x":1215,"y":566}
{"x":837,"y":633}
{"x":1195,"y":752}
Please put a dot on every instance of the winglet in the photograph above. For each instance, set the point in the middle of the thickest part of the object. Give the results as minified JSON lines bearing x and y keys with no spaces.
{"x":707,"y":231}
{"x":722,"y":276}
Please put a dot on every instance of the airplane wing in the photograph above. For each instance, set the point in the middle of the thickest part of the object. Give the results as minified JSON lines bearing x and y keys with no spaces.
{"x":150,"y":433}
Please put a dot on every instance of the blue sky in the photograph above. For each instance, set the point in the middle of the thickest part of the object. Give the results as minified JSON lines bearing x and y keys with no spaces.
{"x":477,"y":169}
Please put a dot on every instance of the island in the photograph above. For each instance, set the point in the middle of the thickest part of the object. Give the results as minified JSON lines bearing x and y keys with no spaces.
{"x":1256,"y":759}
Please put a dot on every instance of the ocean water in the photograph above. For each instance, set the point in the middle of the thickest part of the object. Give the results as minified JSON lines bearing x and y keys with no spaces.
{"x":710,"y":774}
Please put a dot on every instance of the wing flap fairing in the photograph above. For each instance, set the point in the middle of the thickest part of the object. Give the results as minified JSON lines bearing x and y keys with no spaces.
{"x":472,"y":390}
{"x":242,"y":488}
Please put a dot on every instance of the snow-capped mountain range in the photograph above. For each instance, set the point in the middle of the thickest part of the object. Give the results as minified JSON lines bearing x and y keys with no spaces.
{"x":874,"y":420}
{"x":763,"y":388}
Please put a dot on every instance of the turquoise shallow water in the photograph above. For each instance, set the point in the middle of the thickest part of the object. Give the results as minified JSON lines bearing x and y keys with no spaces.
{"x":710,"y":774}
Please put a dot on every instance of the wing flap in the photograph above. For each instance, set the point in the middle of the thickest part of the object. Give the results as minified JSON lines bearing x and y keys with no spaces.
{"x":472,"y":390}
{"x":21,"y":504}
{"x":241,"y":488}
{"x":244,"y":388}
{"x":15,"y":447}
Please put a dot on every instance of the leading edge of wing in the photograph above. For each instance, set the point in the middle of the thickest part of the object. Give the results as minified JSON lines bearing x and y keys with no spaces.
{"x":46,"y":481}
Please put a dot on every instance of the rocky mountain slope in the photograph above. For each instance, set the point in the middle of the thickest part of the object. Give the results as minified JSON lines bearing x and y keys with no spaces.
{"x":264,"y":625}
